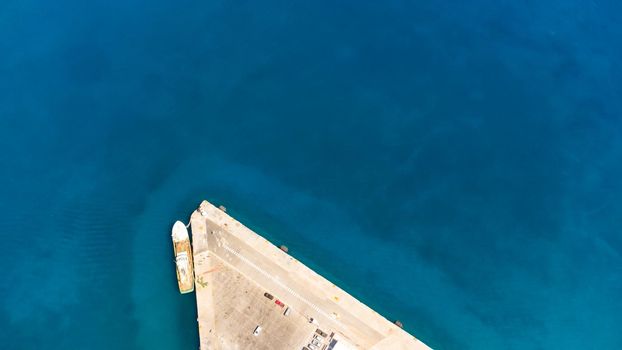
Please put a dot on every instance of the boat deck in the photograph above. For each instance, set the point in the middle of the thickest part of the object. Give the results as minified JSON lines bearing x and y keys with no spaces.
{"x":185,"y":280}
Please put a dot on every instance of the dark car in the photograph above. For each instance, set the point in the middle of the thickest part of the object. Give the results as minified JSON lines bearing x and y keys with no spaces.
{"x":268,"y":295}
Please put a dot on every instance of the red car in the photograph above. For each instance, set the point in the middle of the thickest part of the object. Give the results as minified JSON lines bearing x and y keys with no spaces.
{"x":279,"y":303}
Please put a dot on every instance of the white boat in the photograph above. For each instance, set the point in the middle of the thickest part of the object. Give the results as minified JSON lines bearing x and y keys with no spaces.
{"x":183,"y":258}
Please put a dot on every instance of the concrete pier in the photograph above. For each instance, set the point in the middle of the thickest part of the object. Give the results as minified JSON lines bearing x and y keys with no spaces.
{"x":252,"y":295}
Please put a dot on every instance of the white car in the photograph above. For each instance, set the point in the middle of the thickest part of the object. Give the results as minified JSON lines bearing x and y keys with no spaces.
{"x":257,"y":331}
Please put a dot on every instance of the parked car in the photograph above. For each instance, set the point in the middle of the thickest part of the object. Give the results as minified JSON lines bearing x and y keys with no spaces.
{"x":287,"y":311}
{"x":268,"y":295}
{"x":257,"y":331}
{"x":279,"y":303}
{"x":320,"y":332}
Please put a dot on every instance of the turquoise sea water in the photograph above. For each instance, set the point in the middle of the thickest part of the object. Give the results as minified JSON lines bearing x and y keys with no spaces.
{"x":455,"y":166}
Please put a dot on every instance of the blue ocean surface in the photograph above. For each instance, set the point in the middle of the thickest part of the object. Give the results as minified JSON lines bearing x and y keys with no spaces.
{"x":455,"y":165}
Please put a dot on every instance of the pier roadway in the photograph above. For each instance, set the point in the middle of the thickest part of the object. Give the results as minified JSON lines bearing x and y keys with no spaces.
{"x":234,"y":267}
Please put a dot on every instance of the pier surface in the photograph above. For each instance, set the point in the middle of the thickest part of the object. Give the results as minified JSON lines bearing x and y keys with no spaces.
{"x":244,"y":282}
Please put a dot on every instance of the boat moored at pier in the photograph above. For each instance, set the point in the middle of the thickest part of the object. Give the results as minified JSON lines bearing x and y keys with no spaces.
{"x":183,"y":258}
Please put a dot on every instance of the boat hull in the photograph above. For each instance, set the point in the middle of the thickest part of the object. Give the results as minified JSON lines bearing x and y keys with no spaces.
{"x":183,"y":258}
